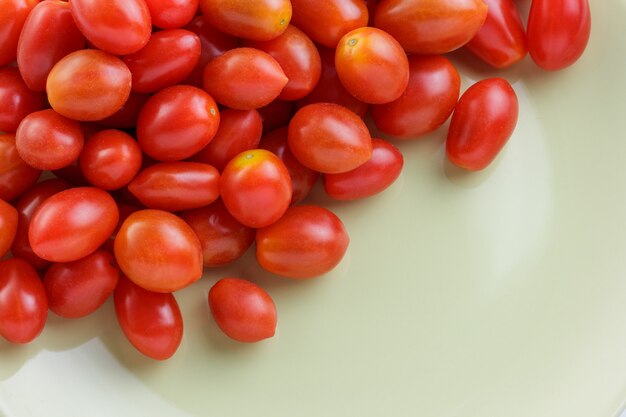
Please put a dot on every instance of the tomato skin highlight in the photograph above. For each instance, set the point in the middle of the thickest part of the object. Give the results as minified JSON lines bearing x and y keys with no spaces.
{"x":256,"y":188}
{"x":16,"y":176}
{"x":171,"y":14}
{"x":72,"y":224}
{"x":13,"y":14}
{"x":23,"y":303}
{"x":558,"y":32}
{"x":151,"y":321}
{"x":482,"y":123}
{"x":501,"y":41}
{"x":37,"y":51}
{"x":8,"y":226}
{"x":306,"y":242}
{"x":428,"y":101}
{"x":158,"y":251}
{"x":242,"y":310}
{"x":119,"y":27}
{"x":329,"y":138}
{"x":16,"y":100}
{"x":77,"y":289}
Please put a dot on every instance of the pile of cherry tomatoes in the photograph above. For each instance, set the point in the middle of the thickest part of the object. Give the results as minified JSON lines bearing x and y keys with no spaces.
{"x":180,"y":132}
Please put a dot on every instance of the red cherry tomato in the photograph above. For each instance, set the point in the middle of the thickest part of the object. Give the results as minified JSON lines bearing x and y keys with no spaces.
{"x":501,"y":42}
{"x":329,"y":88}
{"x":244,"y":79}
{"x":302,"y":178}
{"x":8,"y":226}
{"x":259,"y":20}
{"x":431,"y":26}
{"x":371,"y":178}
{"x":16,"y":176}
{"x":26,"y":207}
{"x":428,"y":101}
{"x":306,"y":242}
{"x":242,"y":310}
{"x":110,"y":159}
{"x":126,"y":117}
{"x":37,"y":51}
{"x":158,"y":251}
{"x":482,"y":123}
{"x":177,"y":122}
{"x":239,"y":130}
{"x":167,"y":59}
{"x":16,"y":100}
{"x":151,"y":321}
{"x":13,"y":14}
{"x":276,"y":114}
{"x":47,"y":140}
{"x":256,"y":188}
{"x":326,"y":21}
{"x":77,"y":289}
{"x":176,"y":186}
{"x":119,"y":27}
{"x":558,"y":32}
{"x":172,"y":14}
{"x":223,"y":238}
{"x":72,"y":224}
{"x":329,"y":138}
{"x":88,"y":85}
{"x":24,"y":308}
{"x":372,"y":65}
{"x":299,"y":59}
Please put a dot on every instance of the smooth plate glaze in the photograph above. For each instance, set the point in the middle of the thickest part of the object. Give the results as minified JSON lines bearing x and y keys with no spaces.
{"x":501,"y":293}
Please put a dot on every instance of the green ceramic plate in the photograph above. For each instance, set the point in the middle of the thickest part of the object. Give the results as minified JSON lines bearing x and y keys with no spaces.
{"x":501,"y":293}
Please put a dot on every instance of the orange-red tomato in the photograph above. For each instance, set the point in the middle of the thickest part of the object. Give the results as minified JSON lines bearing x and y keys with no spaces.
{"x":16,"y":176}
{"x":8,"y":226}
{"x":158,"y":251}
{"x":171,"y":14}
{"x":306,"y":242}
{"x":256,"y":188}
{"x":13,"y":14}
{"x":16,"y":99}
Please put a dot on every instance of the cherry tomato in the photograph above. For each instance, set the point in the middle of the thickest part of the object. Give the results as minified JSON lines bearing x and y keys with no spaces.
{"x":239,"y":130}
{"x":176,"y":186}
{"x":72,"y":174}
{"x":126,"y":117}
{"x":23,"y":303}
{"x":167,"y":59}
{"x":151,"y":321}
{"x":276,"y":114}
{"x":13,"y":14}
{"x":329,"y":89}
{"x":558,"y":32}
{"x":223,"y":238}
{"x":77,"y":289}
{"x":428,"y":101}
{"x":88,"y":85}
{"x":256,"y":188}
{"x":259,"y":20}
{"x":72,"y":224}
{"x":306,"y":242}
{"x":16,"y":176}
{"x":119,"y":27}
{"x":372,"y":65}
{"x":110,"y":159}
{"x":177,"y":122}
{"x":158,"y":251}
{"x":16,"y":100}
{"x":47,"y":140}
{"x":302,"y":178}
{"x":26,"y":207}
{"x":242,"y":310}
{"x":244,"y":79}
{"x":482,"y":123}
{"x":213,"y":44}
{"x":299,"y":59}
{"x":431,"y":26}
{"x":326,"y":21}
{"x":371,"y":178}
{"x":501,"y":42}
{"x":8,"y":226}
{"x":37,"y":51}
{"x":172,"y":14}
{"x":329,"y":138}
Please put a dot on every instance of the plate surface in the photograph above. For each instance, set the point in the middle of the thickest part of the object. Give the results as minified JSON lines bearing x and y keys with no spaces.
{"x":501,"y":293}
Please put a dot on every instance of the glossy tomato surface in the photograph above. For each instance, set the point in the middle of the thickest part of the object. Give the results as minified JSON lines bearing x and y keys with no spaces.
{"x":8,"y":226}
{"x":13,"y":14}
{"x":16,"y":176}
{"x":171,"y":14}
{"x":306,"y":242}
{"x":16,"y":99}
